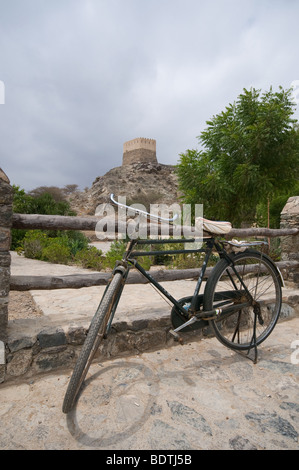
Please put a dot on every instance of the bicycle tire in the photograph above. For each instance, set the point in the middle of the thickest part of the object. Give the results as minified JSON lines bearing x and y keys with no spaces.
{"x":95,"y":334}
{"x":236,"y":330}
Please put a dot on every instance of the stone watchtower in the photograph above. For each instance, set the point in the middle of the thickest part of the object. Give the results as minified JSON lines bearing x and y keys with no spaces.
{"x":139,"y":150}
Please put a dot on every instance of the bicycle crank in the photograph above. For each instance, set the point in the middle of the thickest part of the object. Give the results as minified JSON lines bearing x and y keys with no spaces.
{"x":174,"y":332}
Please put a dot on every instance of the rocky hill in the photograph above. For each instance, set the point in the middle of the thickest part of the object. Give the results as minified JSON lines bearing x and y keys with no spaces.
{"x":142,"y":182}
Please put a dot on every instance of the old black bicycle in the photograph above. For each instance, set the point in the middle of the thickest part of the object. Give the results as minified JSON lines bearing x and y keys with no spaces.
{"x":241,"y":300}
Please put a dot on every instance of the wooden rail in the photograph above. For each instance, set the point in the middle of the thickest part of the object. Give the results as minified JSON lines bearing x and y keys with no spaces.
{"x":75,"y":281}
{"x":56,"y":222}
{"x":96,"y":279}
{"x":61,"y":222}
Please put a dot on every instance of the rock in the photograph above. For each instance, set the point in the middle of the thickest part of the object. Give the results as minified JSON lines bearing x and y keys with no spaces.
{"x":20,"y":363}
{"x":271,"y":422}
{"x":186,"y":415}
{"x":240,"y":443}
{"x":3,"y":176}
{"x":141,"y":182}
{"x":50,"y":337}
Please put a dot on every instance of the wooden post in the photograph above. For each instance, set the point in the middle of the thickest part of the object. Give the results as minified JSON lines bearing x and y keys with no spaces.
{"x":289,"y":219}
{"x":6,"y":198}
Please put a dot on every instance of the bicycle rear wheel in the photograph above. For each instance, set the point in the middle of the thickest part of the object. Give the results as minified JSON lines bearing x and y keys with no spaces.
{"x":258,"y":285}
{"x":95,"y":334}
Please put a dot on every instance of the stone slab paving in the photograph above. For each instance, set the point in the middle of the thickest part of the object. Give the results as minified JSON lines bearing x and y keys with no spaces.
{"x":196,"y":396}
{"x":199,"y":396}
{"x":64,"y":306}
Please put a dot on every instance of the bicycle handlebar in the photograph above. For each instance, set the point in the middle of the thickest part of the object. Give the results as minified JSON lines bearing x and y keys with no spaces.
{"x":143,"y":212}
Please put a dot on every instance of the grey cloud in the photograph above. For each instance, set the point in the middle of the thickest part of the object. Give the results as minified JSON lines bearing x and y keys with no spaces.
{"x":83,"y":76}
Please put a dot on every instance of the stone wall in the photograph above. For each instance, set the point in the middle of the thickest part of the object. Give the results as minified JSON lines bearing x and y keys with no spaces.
{"x":139,"y":156}
{"x":32,"y":351}
{"x":290,"y":244}
{"x":5,"y":241}
{"x":6,"y":196}
{"x":139,"y":150}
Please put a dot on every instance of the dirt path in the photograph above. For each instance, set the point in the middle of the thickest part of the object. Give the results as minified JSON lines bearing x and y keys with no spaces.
{"x":22,"y":305}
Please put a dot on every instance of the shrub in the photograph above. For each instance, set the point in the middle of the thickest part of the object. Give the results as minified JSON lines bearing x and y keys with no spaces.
{"x":40,"y":202}
{"x":116,"y":252}
{"x":75,"y":240}
{"x":90,"y":257}
{"x":162,"y":259}
{"x":33,"y":244}
{"x":56,"y":251}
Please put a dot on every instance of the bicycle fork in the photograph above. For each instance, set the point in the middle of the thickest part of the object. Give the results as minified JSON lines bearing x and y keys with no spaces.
{"x":115,"y":300}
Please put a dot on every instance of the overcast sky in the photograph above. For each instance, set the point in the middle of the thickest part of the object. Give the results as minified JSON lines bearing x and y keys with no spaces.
{"x":82,"y":77}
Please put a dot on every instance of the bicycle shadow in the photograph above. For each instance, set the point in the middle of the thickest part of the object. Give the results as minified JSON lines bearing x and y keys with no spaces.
{"x":117,"y":407}
{"x":118,"y":400}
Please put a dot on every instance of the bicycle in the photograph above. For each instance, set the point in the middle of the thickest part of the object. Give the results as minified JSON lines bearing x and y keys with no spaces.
{"x":241,"y":300}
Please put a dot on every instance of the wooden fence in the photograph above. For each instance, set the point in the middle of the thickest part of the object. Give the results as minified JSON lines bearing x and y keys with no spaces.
{"x":9,"y":220}
{"x":35,"y":221}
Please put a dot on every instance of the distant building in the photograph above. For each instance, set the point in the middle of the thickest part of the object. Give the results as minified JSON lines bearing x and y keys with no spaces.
{"x":139,"y":150}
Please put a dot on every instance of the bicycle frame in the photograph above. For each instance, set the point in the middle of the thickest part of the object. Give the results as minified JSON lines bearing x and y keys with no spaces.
{"x":132,"y":261}
{"x":129,"y":261}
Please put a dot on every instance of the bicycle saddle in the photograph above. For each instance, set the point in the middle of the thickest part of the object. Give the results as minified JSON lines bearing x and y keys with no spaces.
{"x":216,"y":228}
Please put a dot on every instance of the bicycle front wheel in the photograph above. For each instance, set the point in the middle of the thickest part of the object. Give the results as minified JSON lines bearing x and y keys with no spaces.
{"x":95,"y":334}
{"x":254,"y":281}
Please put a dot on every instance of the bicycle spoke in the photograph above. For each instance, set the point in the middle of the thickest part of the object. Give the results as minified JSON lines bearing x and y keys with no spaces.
{"x":251,"y":282}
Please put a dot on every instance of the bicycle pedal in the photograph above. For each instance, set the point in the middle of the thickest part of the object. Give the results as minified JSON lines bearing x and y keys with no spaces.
{"x":176,"y":337}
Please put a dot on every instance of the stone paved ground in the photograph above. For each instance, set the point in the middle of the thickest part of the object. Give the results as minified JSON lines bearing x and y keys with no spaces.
{"x":197,"y":396}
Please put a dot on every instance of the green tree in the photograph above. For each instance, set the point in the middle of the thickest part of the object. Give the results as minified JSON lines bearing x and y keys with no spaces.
{"x":39,"y":201}
{"x":249,"y":155}
{"x":43,"y":203}
{"x":58,"y":194}
{"x":46,"y":204}
{"x":22,"y":202}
